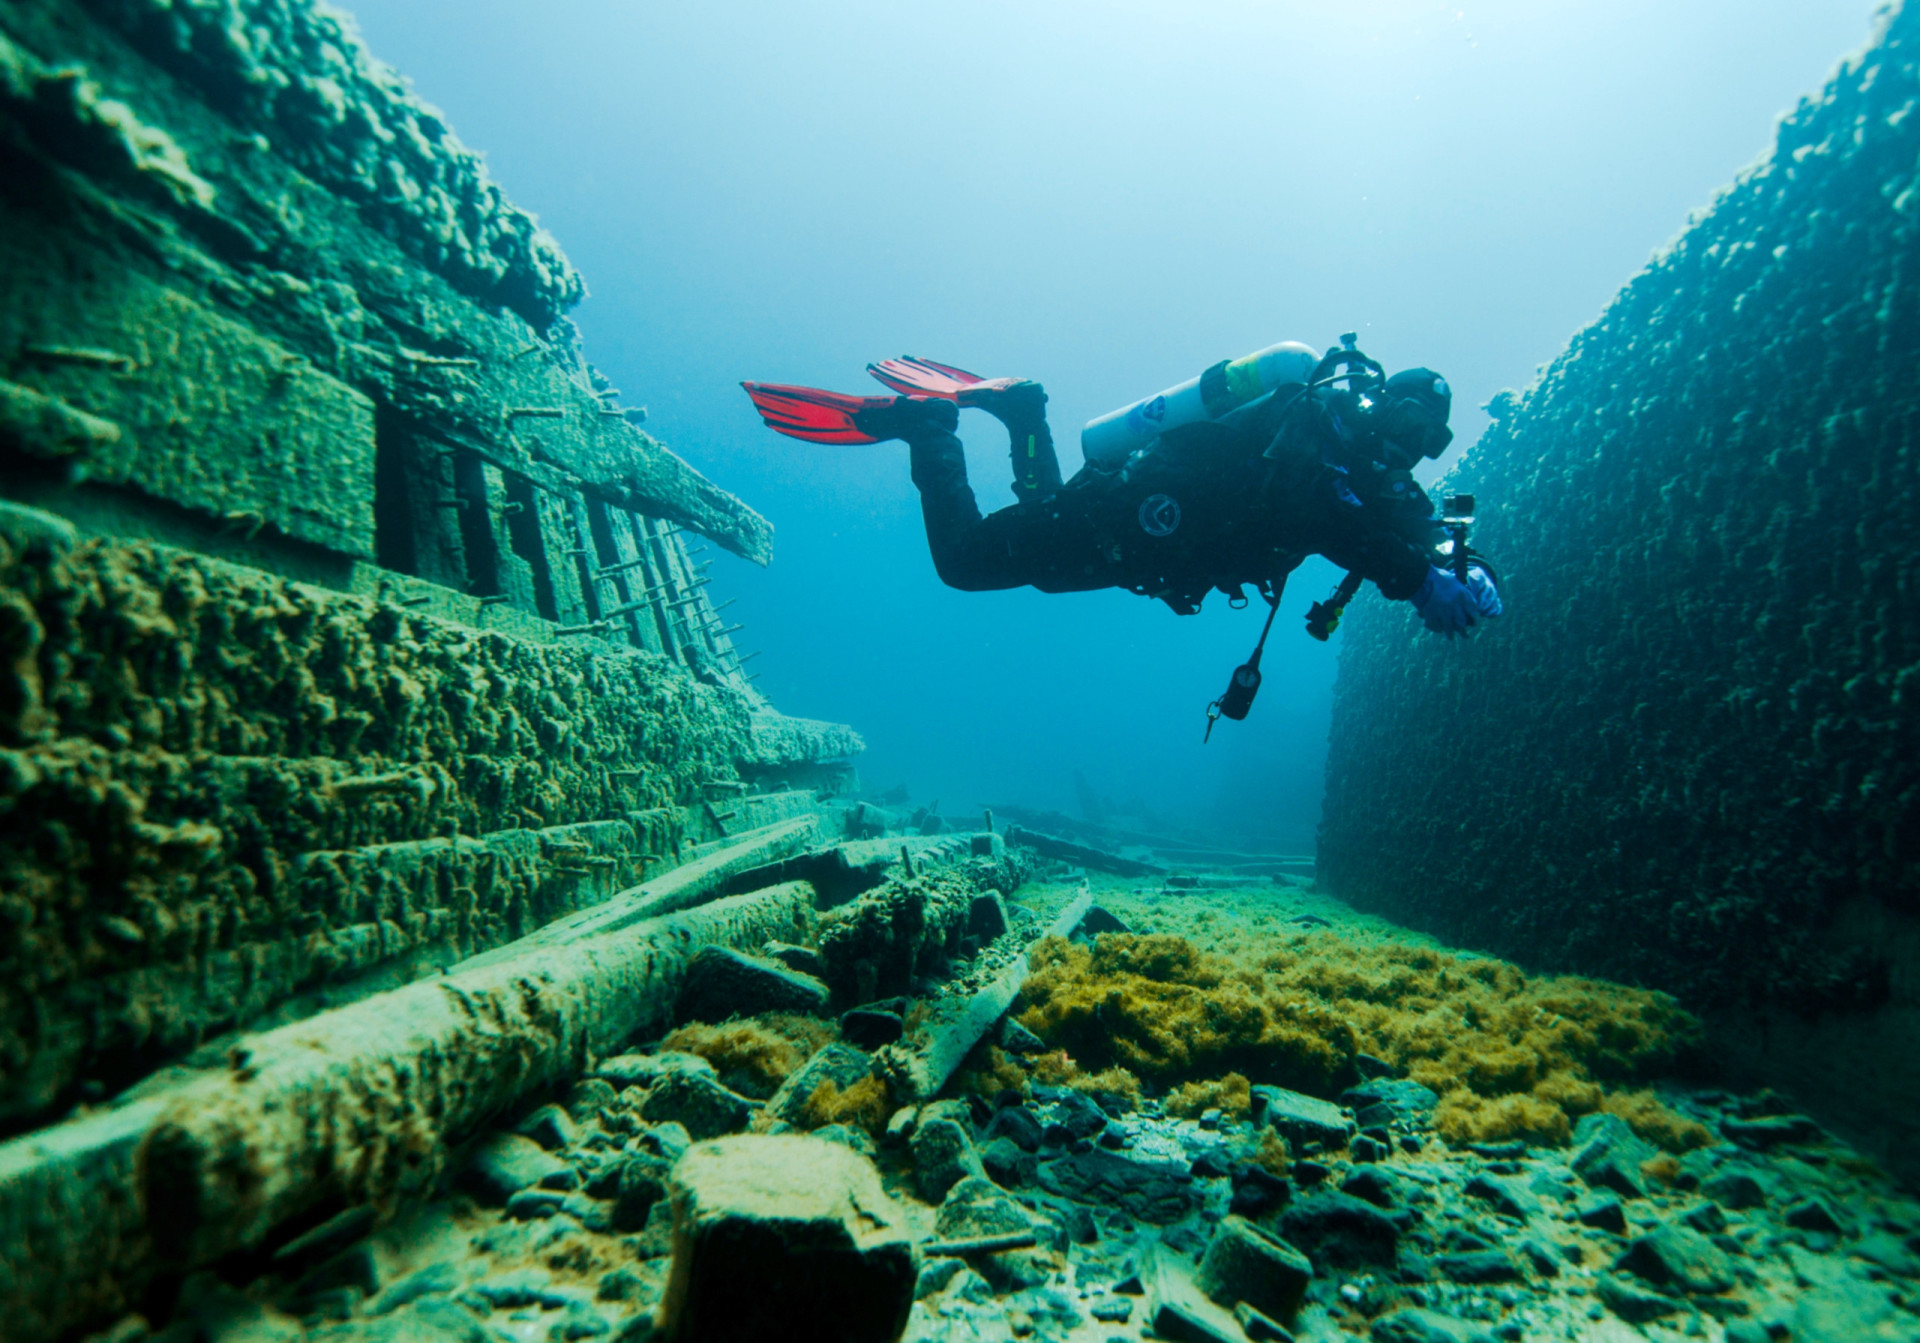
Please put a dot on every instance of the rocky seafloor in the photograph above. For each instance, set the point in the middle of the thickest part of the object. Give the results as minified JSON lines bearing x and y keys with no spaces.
{"x":1076,"y":1210}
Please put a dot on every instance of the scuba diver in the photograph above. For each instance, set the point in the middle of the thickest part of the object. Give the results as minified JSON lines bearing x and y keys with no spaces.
{"x":1225,"y":482}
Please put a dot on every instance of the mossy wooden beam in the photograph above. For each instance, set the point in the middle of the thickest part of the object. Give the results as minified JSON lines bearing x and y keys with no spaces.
{"x":352,"y":1106}
{"x":918,"y":1069}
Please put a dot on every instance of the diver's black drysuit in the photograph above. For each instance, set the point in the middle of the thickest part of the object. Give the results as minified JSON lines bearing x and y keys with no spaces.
{"x":1211,"y":506}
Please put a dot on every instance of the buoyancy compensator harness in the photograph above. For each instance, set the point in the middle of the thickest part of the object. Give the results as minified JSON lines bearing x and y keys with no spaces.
{"x":1344,"y":363}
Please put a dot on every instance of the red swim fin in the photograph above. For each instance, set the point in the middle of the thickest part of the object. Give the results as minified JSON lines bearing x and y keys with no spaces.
{"x":809,"y":414}
{"x":923,"y":377}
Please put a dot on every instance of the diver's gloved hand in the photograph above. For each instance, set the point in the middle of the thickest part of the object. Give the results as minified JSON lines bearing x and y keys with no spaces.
{"x":1451,"y":607}
{"x":1485,"y":593}
{"x":908,"y":417}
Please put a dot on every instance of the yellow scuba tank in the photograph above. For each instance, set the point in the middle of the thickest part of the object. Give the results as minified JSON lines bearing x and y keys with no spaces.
{"x":1230,"y":384}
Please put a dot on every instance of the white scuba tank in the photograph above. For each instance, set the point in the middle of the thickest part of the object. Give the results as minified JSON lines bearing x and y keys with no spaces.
{"x":1230,"y":384}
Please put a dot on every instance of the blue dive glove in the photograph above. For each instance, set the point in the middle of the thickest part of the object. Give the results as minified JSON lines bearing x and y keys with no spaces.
{"x":1451,"y":607}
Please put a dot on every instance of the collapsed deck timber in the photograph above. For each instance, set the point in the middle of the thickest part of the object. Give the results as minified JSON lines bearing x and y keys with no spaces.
{"x":351,"y":625}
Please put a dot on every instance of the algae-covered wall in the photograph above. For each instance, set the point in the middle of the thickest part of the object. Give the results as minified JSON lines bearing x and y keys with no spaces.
{"x":218,"y":787}
{"x":1690,"y":755}
{"x":349,"y":623}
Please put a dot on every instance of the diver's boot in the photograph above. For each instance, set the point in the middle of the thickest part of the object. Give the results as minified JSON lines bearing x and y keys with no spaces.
{"x":912,"y":418}
{"x":1022,"y":407}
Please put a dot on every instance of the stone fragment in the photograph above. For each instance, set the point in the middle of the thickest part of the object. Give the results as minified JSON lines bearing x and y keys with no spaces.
{"x":1017,"y":1039}
{"x":1152,"y":1191}
{"x":1419,"y":1325}
{"x":698,"y":1103}
{"x":592,"y":1213}
{"x":1257,"y":1191}
{"x":1368,"y":1148}
{"x":1111,"y":1309}
{"x":1409,"y":1100}
{"x":1076,"y":1221}
{"x":589,"y":1097}
{"x":1603,"y":1212}
{"x":1099,"y":920}
{"x":1300,"y":1119}
{"x":1631,"y":1301}
{"x":642,"y":1183}
{"x":643,"y":1070}
{"x":722,"y":983}
{"x":433,"y":1320}
{"x":1339,"y":1231}
{"x":785,"y":1238}
{"x":354,"y":1267}
{"x":977,"y":1209}
{"x":1855,"y":1314}
{"x":1736,"y":1189}
{"x":1679,"y":1259}
{"x":1540,"y":1252}
{"x":1007,"y":1165}
{"x":532,"y":1204}
{"x":1608,"y":1155}
{"x":1309,"y":1172}
{"x":1887,"y":1251}
{"x":1261,"y":1327}
{"x":505,"y":1164}
{"x":1511,"y":1150}
{"x":1505,"y":1195}
{"x":943,"y":1156}
{"x":1178,"y":1309}
{"x":1072,"y":1115}
{"x":1770,"y":1130}
{"x":1376,"y":1186}
{"x":1215,"y":1163}
{"x":1706,"y":1219}
{"x":1017,"y":1124}
{"x":433,"y":1280}
{"x":1246,"y":1262}
{"x":1814,"y":1213}
{"x":550,"y":1126}
{"x":853,"y":1139}
{"x":987,"y":917}
{"x":667,"y":1141}
{"x":870,"y":1029}
{"x":1478,"y":1266}
{"x":936,"y":1275}
{"x":843,"y":1065}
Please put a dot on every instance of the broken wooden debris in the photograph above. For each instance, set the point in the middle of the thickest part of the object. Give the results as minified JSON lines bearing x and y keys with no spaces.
{"x":680,"y":888}
{"x":1048,"y":846}
{"x":1170,"y":849}
{"x":960,"y":1249}
{"x":918,"y":1067}
{"x":347,"y":1107}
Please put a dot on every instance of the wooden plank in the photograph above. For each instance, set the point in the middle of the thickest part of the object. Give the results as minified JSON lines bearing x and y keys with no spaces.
{"x":352,"y":1106}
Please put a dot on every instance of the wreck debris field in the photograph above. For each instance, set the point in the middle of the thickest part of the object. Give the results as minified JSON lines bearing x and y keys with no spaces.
{"x":420,"y":922}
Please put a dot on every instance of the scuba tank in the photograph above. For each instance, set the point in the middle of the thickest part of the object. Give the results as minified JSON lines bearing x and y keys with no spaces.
{"x":1110,"y":439}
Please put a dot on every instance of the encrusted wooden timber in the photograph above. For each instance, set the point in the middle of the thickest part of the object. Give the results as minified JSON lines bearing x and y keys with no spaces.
{"x":1099,"y":859}
{"x":352,"y":1106}
{"x":679,"y":889}
{"x":917,"y":1071}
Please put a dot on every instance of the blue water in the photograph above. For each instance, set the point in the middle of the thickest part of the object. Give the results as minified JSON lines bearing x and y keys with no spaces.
{"x":1107,"y":198}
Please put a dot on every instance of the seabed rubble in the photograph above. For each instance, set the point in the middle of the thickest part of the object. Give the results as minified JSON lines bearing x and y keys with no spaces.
{"x":1085,"y":1209}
